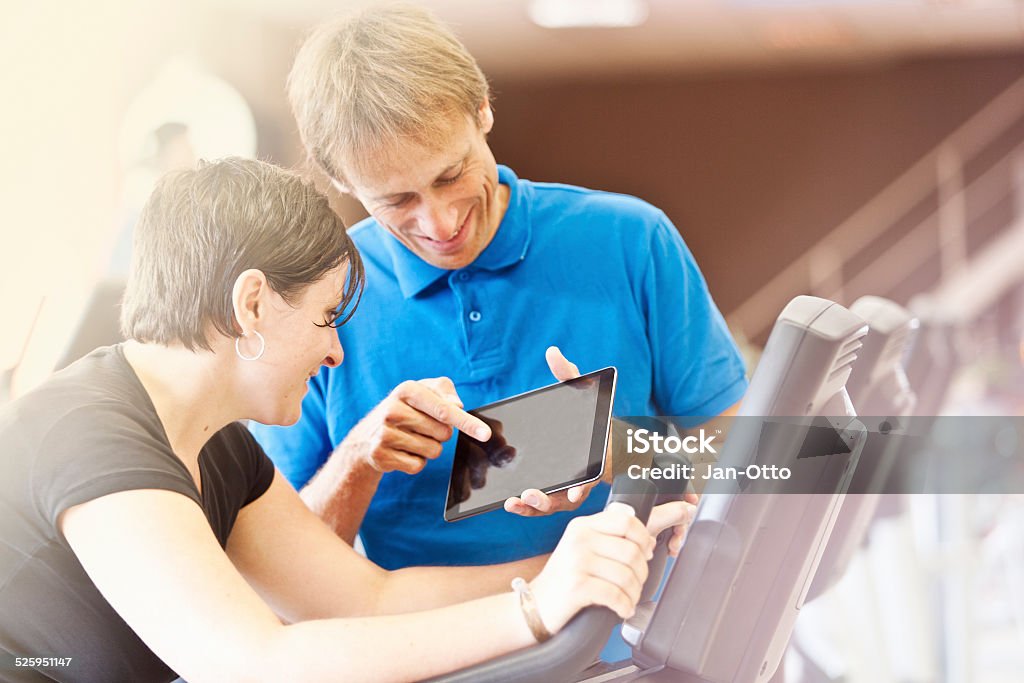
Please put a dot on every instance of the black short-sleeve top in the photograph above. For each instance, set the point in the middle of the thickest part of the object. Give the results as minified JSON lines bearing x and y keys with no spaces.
{"x":89,"y":431}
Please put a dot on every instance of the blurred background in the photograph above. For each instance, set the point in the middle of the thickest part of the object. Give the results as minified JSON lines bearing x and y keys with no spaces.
{"x":797,"y":144}
{"x":831,"y":147}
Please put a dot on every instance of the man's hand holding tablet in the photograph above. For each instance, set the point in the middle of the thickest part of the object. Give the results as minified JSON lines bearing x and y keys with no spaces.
{"x":534,"y":502}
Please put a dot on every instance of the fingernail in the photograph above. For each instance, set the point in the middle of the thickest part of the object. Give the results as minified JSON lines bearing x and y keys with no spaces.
{"x":531,"y":499}
{"x":482,"y":434}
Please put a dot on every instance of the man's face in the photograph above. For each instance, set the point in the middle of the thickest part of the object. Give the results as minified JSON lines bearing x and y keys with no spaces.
{"x":445,"y":206}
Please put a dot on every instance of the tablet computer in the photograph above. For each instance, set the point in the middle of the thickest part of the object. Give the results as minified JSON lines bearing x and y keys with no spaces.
{"x":550,"y":439}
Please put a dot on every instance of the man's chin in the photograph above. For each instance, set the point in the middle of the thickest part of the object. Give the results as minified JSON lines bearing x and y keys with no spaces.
{"x":448,"y":263}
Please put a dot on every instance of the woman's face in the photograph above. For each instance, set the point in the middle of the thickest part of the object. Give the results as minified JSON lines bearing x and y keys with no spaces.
{"x":298,"y":342}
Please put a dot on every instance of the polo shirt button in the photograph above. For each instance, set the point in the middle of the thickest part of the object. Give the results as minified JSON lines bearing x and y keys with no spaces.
{"x":474,"y":316}
{"x":463,"y":275}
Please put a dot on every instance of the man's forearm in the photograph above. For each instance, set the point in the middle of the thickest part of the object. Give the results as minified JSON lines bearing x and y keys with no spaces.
{"x":421,"y":588}
{"x":340,"y":494}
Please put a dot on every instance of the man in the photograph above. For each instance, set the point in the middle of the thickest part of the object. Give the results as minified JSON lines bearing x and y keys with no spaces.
{"x":471,"y":274}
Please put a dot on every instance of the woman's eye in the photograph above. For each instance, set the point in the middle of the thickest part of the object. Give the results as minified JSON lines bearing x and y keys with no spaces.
{"x":330,"y":318}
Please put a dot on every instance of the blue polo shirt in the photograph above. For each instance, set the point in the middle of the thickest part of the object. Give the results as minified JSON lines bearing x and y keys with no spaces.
{"x":605,"y":277}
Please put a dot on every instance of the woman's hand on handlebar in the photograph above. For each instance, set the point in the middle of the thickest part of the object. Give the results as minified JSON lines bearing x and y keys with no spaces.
{"x":678,"y":514}
{"x":601,"y":560}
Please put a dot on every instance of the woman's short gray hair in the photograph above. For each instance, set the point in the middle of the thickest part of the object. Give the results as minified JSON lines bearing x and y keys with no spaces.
{"x":202,"y":228}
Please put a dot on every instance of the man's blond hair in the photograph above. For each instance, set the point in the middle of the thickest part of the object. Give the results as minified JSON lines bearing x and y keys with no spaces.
{"x":379,"y":77}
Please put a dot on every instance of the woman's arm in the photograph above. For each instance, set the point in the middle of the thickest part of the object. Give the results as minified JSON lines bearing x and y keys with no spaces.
{"x":300,"y":568}
{"x":154,"y":558}
{"x":303,"y":570}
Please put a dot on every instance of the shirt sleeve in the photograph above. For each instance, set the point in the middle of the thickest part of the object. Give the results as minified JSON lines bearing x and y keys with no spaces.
{"x":261,"y":468}
{"x":94,"y":452}
{"x":300,"y":450}
{"x":698,"y":371}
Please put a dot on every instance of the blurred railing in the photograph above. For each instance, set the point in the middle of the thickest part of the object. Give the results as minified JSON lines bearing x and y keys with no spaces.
{"x":952,"y":222}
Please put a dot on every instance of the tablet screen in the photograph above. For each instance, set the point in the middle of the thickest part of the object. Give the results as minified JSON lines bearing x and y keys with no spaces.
{"x":548,"y":439}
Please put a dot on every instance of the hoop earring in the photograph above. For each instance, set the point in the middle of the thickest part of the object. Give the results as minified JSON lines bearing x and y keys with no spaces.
{"x":259,"y":354}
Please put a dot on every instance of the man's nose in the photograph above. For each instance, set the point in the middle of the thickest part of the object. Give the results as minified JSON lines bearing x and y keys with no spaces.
{"x":438,"y":220}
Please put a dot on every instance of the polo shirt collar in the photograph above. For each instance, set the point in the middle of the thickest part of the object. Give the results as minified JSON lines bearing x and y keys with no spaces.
{"x":508,"y":246}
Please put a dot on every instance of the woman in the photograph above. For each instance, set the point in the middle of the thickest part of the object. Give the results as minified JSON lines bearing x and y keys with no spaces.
{"x":146,"y":535}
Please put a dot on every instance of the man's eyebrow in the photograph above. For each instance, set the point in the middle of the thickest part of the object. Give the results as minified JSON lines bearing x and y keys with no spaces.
{"x":454,"y":166}
{"x":390,"y":196}
{"x":461,"y":161}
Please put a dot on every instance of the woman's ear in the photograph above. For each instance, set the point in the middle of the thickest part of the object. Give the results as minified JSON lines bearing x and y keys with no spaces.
{"x":248,"y":298}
